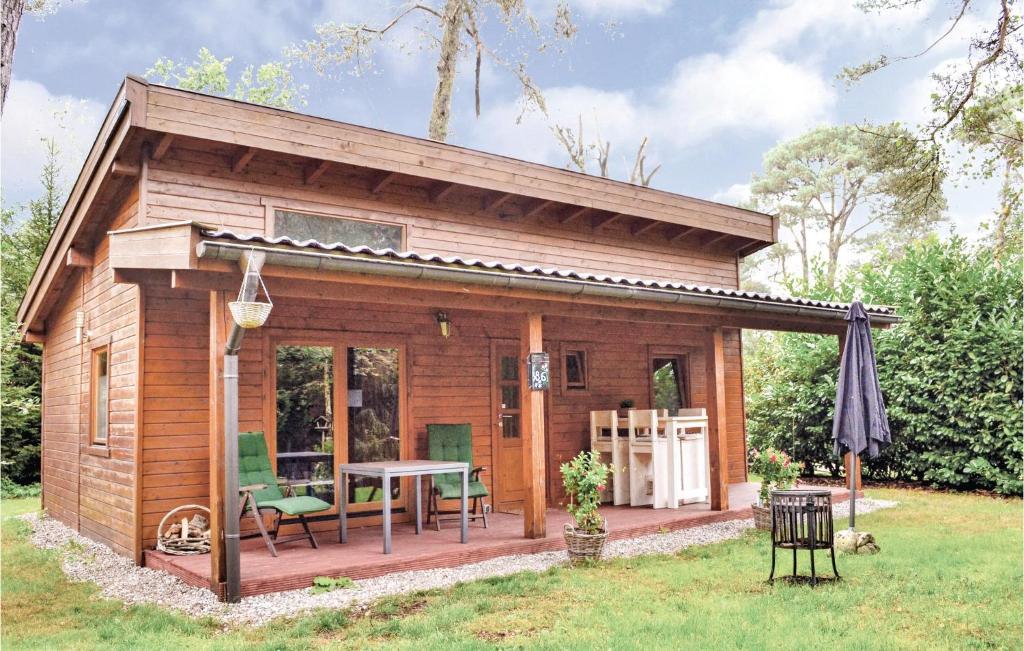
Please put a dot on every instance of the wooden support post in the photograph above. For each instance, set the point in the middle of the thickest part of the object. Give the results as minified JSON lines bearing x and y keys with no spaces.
{"x":718,"y":431}
{"x":848,"y":457}
{"x":534,"y":441}
{"x":218,"y":337}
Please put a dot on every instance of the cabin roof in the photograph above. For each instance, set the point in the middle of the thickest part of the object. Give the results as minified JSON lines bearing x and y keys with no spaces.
{"x":144,"y":119}
{"x":287,"y":251}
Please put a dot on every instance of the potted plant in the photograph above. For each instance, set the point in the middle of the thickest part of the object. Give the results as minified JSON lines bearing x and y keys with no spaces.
{"x":778,"y":472}
{"x":625,"y":406}
{"x":584,"y":479}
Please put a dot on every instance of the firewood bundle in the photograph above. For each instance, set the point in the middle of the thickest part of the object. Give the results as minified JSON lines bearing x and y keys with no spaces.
{"x":184,"y":536}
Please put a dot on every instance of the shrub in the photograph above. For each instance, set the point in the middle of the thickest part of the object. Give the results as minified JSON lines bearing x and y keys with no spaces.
{"x":950,"y":373}
{"x":584,"y":480}
{"x":9,"y":489}
{"x":777,"y":471}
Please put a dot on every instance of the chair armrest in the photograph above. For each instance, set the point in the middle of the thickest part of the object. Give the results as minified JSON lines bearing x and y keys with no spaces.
{"x":474,"y":474}
{"x":251,"y":487}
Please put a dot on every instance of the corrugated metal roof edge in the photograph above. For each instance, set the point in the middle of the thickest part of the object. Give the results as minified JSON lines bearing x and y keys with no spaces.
{"x":550,"y":272}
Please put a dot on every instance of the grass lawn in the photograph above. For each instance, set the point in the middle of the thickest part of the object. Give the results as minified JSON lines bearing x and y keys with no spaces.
{"x":949,"y":576}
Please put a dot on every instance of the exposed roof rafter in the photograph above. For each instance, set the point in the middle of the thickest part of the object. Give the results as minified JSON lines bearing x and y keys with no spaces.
{"x":574,"y":212}
{"x":441,"y":190}
{"x":314,"y":171}
{"x":639,"y":228}
{"x":162,"y":146}
{"x":601,"y":221}
{"x":538,"y":208}
{"x":242,"y":159}
{"x":493,"y":203}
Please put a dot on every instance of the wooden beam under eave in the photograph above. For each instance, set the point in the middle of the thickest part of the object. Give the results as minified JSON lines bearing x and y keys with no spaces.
{"x":686,"y":230}
{"x":76,"y":258}
{"x":34,"y":337}
{"x":717,"y":239}
{"x":121,"y":168}
{"x":162,"y":147}
{"x":440,"y":191}
{"x":718,"y":422}
{"x":493,"y":203}
{"x":382,"y":181}
{"x":314,"y":171}
{"x":538,"y":208}
{"x":751,"y":247}
{"x":601,"y":221}
{"x":242,"y":159}
{"x":640,"y":228}
{"x":573,"y":213}
{"x":531,"y":340}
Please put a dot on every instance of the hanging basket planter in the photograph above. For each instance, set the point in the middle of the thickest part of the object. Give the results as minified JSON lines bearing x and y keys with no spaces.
{"x":252,"y":313}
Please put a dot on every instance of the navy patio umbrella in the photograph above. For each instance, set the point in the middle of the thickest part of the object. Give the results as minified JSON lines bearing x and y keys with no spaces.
{"x":860,"y":423}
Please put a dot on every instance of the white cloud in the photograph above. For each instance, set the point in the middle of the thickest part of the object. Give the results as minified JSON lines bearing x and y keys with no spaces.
{"x":734,"y":195}
{"x":623,"y":8}
{"x":792,"y":23}
{"x":31,"y":114}
{"x":744,"y":91}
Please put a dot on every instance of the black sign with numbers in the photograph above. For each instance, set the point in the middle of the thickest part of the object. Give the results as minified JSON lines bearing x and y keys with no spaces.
{"x":538,"y":369}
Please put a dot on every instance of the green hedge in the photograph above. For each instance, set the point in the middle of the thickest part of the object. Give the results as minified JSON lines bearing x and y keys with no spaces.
{"x":950,"y":373}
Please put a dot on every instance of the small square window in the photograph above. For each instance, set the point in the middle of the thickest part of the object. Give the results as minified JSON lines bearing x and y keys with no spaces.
{"x":575,"y":369}
{"x":99,"y":413}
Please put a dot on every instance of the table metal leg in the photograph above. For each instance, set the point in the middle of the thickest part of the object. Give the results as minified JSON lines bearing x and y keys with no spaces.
{"x":464,"y":505}
{"x":417,"y":479}
{"x":343,"y":510}
{"x":387,"y":513}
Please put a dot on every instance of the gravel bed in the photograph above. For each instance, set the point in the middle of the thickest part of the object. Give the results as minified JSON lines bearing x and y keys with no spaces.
{"x":119,"y":578}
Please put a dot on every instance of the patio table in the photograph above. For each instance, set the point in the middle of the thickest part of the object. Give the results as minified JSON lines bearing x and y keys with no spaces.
{"x":385,"y":470}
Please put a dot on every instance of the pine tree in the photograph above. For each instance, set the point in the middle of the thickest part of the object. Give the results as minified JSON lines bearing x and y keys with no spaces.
{"x":21,"y":246}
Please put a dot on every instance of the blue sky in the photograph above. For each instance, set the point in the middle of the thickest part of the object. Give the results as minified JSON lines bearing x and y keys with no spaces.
{"x":712,"y":84}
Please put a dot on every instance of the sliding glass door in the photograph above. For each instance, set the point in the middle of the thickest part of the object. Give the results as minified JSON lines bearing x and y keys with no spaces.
{"x":336,"y":403}
{"x":305,"y":419}
{"x":374,"y":413}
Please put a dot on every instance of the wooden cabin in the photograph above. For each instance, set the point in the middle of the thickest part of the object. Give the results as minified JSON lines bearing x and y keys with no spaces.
{"x":408,"y":275}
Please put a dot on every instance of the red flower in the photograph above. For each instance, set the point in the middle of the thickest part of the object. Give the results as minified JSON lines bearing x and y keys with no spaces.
{"x":600,"y":488}
{"x":773,"y":458}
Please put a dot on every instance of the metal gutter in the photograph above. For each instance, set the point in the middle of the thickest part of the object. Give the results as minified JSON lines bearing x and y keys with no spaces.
{"x":562,"y":284}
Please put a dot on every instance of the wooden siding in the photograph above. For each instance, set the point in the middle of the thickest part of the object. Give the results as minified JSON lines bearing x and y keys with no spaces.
{"x":195,"y":181}
{"x":215,"y":119}
{"x":449,"y":380}
{"x":91,"y":488}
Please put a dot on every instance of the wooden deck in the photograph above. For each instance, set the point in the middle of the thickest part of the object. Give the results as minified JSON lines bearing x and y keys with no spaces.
{"x":297,"y":563}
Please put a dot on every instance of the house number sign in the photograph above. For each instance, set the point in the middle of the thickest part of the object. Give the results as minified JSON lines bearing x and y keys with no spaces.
{"x":538,"y":369}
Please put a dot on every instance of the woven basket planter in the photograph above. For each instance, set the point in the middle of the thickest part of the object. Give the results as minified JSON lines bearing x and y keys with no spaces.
{"x":193,"y":542}
{"x":762,"y":517}
{"x":584,"y":546}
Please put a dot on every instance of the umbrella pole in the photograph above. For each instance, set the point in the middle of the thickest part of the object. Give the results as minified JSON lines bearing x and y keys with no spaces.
{"x":853,"y":489}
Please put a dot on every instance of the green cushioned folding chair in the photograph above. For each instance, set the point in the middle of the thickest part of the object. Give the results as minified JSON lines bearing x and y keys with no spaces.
{"x":260,"y":493}
{"x":454,"y":443}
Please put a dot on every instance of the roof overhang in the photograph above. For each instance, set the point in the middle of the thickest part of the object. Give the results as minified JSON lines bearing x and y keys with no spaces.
{"x":189,"y":247}
{"x":148,"y":113}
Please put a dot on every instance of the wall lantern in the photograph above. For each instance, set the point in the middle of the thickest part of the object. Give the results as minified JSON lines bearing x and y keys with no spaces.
{"x":81,"y":334}
{"x":445,"y":323}
{"x":246,"y":310}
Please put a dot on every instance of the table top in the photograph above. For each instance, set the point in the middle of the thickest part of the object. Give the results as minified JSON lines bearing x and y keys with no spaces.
{"x":303,"y":454}
{"x":403,"y":467}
